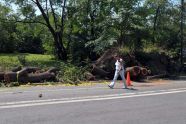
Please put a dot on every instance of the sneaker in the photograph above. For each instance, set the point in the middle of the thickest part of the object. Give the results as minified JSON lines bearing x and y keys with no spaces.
{"x":111,"y":87}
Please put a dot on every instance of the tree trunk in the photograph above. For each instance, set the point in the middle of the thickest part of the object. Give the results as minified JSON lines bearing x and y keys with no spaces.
{"x":155,"y":23}
{"x":2,"y":76}
{"x":29,"y":74}
{"x":181,"y":30}
{"x":98,"y":71}
{"x":60,"y":50}
{"x":134,"y":71}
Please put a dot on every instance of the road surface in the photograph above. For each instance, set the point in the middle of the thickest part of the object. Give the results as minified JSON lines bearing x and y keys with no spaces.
{"x":146,"y":103}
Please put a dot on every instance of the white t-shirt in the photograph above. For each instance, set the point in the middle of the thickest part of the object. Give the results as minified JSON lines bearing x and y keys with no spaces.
{"x":119,"y":65}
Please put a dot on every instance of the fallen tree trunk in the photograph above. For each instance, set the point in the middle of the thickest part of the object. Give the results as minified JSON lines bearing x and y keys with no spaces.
{"x":99,"y":72}
{"x":53,"y":70}
{"x":41,"y":77}
{"x":2,"y":76}
{"x":89,"y":76}
{"x":16,"y":69}
{"x":134,"y":71}
{"x":104,"y":66}
{"x":29,"y":74}
{"x":138,"y":73}
{"x":106,"y":57}
{"x":10,"y":77}
{"x":143,"y":72}
{"x":27,"y":70}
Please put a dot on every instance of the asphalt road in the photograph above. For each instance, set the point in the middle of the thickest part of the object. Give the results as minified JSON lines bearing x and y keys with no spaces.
{"x":162,"y":102}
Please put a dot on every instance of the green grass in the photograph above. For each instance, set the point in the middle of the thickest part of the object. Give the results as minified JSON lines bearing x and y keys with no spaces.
{"x":8,"y":61}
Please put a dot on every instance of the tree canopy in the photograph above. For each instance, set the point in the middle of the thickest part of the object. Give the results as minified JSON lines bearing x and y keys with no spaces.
{"x":78,"y":30}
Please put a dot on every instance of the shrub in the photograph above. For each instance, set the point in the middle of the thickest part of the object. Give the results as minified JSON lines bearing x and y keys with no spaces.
{"x":70,"y":73}
{"x":22,"y":59}
{"x":31,"y":45}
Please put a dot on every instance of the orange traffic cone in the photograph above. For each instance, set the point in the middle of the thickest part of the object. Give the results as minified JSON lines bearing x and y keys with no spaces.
{"x":128,"y":79}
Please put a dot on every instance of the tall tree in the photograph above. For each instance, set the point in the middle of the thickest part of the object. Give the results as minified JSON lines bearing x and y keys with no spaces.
{"x":181,"y":29}
{"x":7,"y":32}
{"x":53,"y":13}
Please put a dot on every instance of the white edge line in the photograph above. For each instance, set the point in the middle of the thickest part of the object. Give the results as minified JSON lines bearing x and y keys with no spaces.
{"x":60,"y":99}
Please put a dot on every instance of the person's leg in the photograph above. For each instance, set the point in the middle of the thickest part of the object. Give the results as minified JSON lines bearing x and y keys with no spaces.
{"x":122,"y":74}
{"x":114,"y":79}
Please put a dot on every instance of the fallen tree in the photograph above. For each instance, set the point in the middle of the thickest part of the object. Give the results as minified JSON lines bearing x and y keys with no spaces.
{"x":136,"y":73}
{"x":104,"y":66}
{"x":98,"y":71}
{"x":29,"y":74}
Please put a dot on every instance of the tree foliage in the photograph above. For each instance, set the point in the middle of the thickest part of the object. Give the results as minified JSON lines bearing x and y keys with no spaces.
{"x":83,"y":29}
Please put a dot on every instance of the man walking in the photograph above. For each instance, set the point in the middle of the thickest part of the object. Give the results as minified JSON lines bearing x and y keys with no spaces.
{"x":119,"y":70}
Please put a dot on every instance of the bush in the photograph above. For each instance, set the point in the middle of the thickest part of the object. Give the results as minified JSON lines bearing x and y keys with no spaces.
{"x":22,"y":59}
{"x":7,"y":43}
{"x":70,"y":73}
{"x":31,"y":45}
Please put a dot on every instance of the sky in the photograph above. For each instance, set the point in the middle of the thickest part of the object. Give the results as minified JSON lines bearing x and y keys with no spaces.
{"x":172,"y":1}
